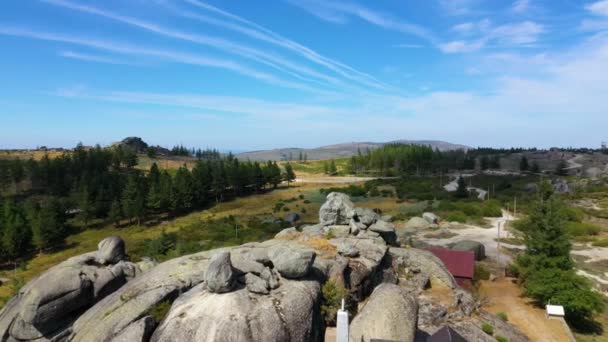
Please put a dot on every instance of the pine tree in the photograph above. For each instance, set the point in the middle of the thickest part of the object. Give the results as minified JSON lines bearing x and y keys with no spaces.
{"x":85,"y":205}
{"x":16,"y":233}
{"x":523,"y":164}
{"x":535,"y":168}
{"x":133,"y":201}
{"x":562,"y":168}
{"x":258,"y":176}
{"x":49,"y":228}
{"x":305,"y":158}
{"x":333,"y":170}
{"x":289,"y":175}
{"x":462,"y":191}
{"x":484,"y":162}
{"x":546,"y":269}
{"x":325,"y":167}
{"x":115,"y":213}
{"x":183,"y":198}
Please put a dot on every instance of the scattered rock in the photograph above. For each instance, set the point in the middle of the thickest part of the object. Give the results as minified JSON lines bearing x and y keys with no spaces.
{"x":255,"y":284}
{"x":417,"y":223}
{"x":423,"y":260}
{"x":220,"y":276}
{"x":471,"y":246}
{"x":430,"y":218}
{"x":356,"y":227}
{"x":386,"y":231}
{"x":292,"y":218}
{"x":335,"y":210}
{"x":292,"y":263}
{"x":465,"y":302}
{"x":364,"y":215}
{"x":313,"y":230}
{"x":347,"y":250}
{"x":387,"y":218}
{"x":111,"y":250}
{"x":390,"y":314}
{"x":286,"y":233}
{"x":431,"y":313}
{"x":531,"y":187}
{"x":338,"y":231}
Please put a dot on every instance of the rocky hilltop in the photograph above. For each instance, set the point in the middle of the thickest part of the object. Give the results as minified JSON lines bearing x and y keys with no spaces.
{"x":266,"y":291}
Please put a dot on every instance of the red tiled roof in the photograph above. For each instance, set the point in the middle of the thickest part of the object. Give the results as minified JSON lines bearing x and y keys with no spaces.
{"x":459,"y":263}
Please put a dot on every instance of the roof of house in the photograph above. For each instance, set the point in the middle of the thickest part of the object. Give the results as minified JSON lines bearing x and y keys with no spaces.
{"x":446,"y":334}
{"x":459,"y":263}
{"x":555,"y":310}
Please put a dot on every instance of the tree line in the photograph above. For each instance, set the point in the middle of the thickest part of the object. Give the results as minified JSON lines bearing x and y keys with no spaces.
{"x":102,"y":183}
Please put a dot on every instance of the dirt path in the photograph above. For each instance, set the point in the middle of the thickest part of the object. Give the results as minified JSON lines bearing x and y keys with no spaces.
{"x":486,"y":236}
{"x":506,"y":297}
{"x":572,"y":162}
{"x":338,"y":180}
{"x":453,"y":186}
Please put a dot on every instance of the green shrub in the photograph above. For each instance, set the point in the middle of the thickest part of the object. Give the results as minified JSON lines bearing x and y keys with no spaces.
{"x":582,"y":229}
{"x":301,"y":196}
{"x":286,"y":209}
{"x":414,"y":209}
{"x":600,"y":243}
{"x":303,"y":210}
{"x":471,"y":209}
{"x":457,"y":216}
{"x":491,"y":209}
{"x":503,"y":316}
{"x":333,"y":293}
{"x":481,"y":273}
{"x":351,"y":190}
{"x":278,"y":206}
{"x":306,"y":201}
{"x":501,"y":338}
{"x":160,"y":310}
{"x":488,"y":328}
{"x":574,"y":214}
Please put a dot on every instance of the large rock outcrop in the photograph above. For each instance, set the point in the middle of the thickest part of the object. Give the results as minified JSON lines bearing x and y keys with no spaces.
{"x":390,"y":314}
{"x":266,"y":291}
{"x":336,"y":209}
{"x":47,"y":305}
{"x":288,"y":314}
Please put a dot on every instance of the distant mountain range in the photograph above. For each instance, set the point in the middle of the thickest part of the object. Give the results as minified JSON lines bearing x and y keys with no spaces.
{"x":344,"y":150}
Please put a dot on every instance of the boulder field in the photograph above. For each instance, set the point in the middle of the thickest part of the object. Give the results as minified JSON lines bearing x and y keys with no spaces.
{"x":262,"y":291}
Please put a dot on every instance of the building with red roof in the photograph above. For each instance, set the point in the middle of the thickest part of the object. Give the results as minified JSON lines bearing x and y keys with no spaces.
{"x":461,"y":264}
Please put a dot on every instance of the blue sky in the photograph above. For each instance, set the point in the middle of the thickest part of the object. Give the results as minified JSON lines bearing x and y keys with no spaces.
{"x":246,"y":75}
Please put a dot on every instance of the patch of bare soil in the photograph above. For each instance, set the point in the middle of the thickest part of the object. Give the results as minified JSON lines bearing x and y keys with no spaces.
{"x":505,"y":296}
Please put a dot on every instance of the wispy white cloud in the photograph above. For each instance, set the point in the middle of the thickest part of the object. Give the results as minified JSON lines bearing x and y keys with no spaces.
{"x":458,"y":7}
{"x":408,"y":46}
{"x":507,"y":35}
{"x":598,"y":7}
{"x":92,"y":58}
{"x":599,"y":22}
{"x":520,"y":6}
{"x":261,"y":33}
{"x":269,"y":59}
{"x":171,"y":55}
{"x":340,"y":12}
{"x":256,"y":108}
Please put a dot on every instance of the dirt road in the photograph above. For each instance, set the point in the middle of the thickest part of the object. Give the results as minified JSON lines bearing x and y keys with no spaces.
{"x":506,"y":297}
{"x":486,"y":236}
{"x":338,"y":180}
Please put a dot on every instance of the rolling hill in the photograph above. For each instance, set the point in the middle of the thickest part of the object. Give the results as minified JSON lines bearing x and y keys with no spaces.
{"x":343,"y":150}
